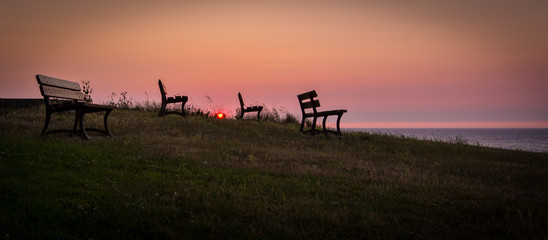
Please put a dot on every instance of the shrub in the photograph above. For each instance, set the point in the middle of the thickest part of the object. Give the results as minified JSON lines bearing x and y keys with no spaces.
{"x":193,"y":110}
{"x":290,"y":119}
{"x":270,"y":115}
{"x":123,"y":101}
{"x":110,"y":99}
{"x":87,"y":90}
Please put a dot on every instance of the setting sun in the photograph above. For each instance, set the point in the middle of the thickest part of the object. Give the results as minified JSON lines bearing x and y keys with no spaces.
{"x":220,"y":115}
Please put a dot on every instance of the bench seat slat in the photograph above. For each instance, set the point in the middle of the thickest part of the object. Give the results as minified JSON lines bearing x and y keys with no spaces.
{"x":254,"y":108}
{"x":56,"y":82}
{"x":49,"y":91}
{"x":330,"y":112}
{"x":94,"y":106}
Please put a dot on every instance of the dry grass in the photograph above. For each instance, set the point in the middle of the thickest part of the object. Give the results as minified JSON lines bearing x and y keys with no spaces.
{"x":176,"y":177}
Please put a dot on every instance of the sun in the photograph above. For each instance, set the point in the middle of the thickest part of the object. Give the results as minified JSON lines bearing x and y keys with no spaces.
{"x":220,"y":115}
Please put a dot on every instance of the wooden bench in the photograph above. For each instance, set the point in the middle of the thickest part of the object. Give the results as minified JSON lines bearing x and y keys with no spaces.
{"x":307,"y":101}
{"x":174,"y":99}
{"x":62,"y":96}
{"x":244,"y":109}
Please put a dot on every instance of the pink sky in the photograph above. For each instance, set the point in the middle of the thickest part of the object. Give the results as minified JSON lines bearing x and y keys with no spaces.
{"x":393,"y":63}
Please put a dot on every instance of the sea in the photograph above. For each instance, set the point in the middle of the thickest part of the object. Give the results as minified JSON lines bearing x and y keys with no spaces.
{"x":526,"y":139}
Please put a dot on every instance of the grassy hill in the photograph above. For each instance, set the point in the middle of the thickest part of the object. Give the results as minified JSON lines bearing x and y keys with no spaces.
{"x":197,"y":177}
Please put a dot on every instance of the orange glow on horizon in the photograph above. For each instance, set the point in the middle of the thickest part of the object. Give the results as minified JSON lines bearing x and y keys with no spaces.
{"x":446,"y":125}
{"x":220,"y":115}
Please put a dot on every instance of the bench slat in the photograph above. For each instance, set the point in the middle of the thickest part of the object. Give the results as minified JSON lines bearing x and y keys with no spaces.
{"x":307,"y":95}
{"x":313,"y":104}
{"x":331,"y":112}
{"x":49,"y":91}
{"x":50,"y":81}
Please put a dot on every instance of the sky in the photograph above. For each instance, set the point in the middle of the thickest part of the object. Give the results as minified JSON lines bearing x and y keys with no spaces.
{"x":392,"y":63}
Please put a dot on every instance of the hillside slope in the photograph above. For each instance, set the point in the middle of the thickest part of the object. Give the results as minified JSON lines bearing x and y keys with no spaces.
{"x":196,"y":177}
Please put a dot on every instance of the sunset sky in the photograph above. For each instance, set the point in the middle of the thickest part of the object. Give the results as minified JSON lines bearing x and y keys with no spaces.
{"x":393,"y":63}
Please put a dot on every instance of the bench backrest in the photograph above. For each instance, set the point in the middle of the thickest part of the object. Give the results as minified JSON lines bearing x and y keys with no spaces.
{"x":162,"y":89}
{"x":307,"y":101}
{"x":241,"y":100}
{"x":59,"y":89}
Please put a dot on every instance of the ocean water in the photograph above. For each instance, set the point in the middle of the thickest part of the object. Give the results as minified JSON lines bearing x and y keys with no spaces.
{"x":528,"y":139}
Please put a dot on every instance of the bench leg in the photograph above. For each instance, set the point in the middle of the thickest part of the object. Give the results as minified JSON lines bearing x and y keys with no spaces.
{"x":162,"y":110}
{"x":183,"y":109}
{"x":83,"y":132}
{"x":323,"y":123}
{"x":259,"y":115}
{"x":75,"y":126}
{"x":242,"y":111}
{"x":46,"y":124}
{"x":313,"y":129}
{"x":338,"y":124}
{"x":107,"y":131}
{"x":302,"y":124}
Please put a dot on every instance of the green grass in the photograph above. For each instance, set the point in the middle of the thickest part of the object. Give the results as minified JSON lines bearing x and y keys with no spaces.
{"x":196,"y":177}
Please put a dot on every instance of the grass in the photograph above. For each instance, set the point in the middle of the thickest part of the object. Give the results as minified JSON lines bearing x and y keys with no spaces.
{"x":195,"y":177}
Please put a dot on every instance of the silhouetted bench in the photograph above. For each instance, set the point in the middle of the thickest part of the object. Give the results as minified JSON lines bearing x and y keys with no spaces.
{"x":62,"y":96}
{"x":174,"y":99}
{"x":307,"y":101}
{"x":244,"y":109}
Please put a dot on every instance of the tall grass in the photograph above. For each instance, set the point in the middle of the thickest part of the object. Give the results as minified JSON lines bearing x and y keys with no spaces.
{"x":277,"y":115}
{"x":196,"y":177}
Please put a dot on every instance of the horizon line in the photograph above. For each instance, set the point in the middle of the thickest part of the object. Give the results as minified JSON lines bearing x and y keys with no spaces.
{"x":502,"y":124}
